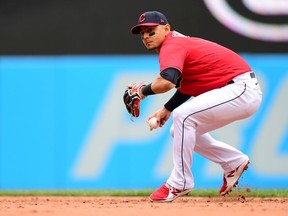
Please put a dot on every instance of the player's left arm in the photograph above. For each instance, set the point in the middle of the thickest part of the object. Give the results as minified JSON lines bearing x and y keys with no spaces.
{"x":167,"y":80}
{"x":134,"y":93}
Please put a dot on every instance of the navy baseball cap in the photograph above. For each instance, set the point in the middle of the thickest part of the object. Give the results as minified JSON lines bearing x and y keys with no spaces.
{"x":149,"y":18}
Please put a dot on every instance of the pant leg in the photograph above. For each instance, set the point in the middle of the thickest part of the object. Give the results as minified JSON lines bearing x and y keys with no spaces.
{"x":181,"y":176}
{"x":228,"y":157}
{"x":205,"y":113}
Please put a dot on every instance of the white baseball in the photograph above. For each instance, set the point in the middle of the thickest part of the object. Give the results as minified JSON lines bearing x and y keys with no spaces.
{"x":153,"y":123}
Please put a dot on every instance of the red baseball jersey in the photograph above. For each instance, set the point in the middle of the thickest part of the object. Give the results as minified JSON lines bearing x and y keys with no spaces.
{"x":204,"y":65}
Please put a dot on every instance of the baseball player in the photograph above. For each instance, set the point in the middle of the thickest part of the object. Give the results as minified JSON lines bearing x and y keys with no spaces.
{"x":215,"y":87}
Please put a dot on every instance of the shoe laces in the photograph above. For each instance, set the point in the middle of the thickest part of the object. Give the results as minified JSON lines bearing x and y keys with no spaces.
{"x":172,"y":189}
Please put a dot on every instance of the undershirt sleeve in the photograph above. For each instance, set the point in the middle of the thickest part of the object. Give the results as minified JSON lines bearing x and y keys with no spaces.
{"x":171,"y":74}
{"x":176,"y":100}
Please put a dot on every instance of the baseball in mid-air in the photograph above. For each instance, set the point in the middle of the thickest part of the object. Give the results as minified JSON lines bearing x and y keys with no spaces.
{"x":153,"y":123}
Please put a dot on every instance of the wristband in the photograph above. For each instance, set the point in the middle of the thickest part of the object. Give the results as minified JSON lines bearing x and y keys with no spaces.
{"x":147,"y":90}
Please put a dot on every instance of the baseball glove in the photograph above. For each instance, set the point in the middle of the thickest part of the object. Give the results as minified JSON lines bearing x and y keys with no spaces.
{"x":132,"y":98}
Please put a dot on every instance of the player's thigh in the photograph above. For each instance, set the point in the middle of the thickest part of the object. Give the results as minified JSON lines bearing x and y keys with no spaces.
{"x":217,"y":107}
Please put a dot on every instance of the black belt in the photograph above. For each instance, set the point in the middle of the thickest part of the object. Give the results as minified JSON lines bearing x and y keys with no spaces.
{"x":252,"y":75}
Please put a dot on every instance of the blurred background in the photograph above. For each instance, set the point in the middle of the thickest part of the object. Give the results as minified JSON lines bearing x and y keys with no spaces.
{"x":65,"y":64}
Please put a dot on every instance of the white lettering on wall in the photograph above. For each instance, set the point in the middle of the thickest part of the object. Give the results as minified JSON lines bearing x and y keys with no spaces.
{"x":225,"y":14}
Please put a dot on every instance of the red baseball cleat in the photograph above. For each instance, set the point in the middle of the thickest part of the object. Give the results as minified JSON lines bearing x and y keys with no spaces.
{"x":231,"y":178}
{"x":167,"y":193}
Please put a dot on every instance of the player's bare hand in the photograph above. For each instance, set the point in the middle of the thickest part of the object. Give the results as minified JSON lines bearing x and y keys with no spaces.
{"x":162,"y":116}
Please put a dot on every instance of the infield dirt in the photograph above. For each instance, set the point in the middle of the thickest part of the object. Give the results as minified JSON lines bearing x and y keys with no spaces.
{"x":141,"y":206}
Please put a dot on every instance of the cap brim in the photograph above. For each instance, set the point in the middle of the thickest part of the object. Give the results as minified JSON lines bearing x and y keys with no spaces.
{"x":136,"y":29}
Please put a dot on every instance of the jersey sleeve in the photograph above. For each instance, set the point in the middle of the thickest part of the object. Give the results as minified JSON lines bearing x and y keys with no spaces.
{"x":172,"y":56}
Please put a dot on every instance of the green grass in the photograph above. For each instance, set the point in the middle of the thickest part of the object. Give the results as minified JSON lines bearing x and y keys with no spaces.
{"x":194,"y":193}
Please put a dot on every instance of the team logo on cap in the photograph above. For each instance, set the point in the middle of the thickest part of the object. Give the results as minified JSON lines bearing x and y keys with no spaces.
{"x":142,"y":18}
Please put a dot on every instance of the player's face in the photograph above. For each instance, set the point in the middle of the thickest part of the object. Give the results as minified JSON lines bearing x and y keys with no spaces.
{"x":153,"y":36}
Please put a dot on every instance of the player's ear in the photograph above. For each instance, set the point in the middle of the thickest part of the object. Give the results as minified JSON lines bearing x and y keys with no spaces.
{"x":167,"y":29}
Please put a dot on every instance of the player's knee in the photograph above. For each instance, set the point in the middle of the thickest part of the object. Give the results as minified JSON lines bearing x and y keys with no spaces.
{"x":180,"y":116}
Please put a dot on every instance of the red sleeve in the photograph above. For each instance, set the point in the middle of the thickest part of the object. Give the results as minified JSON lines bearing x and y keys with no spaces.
{"x":172,"y":56}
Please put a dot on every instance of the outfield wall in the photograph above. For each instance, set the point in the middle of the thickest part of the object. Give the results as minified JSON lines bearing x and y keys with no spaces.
{"x":57,"y":27}
{"x":63,"y":125}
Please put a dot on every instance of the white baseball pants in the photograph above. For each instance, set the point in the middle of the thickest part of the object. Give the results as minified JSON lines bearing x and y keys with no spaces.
{"x":194,"y":119}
